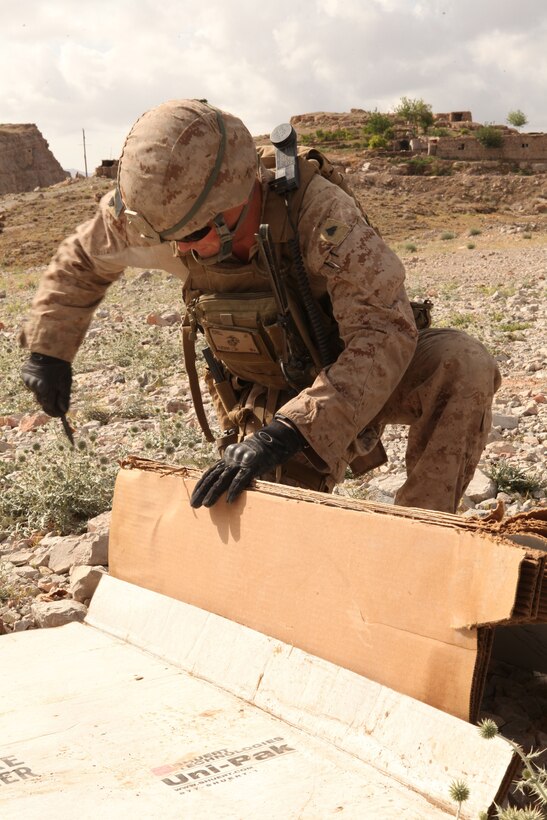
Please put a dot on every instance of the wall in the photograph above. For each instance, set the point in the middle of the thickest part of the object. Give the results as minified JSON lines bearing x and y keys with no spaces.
{"x":514,"y":147}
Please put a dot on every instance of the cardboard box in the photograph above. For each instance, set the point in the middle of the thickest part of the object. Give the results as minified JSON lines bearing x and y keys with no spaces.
{"x":404,"y":597}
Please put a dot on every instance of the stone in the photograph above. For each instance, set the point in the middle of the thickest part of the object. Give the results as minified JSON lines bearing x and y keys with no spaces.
{"x":156,"y":319}
{"x":83,"y":582}
{"x":379,"y":497}
{"x":33,"y":421}
{"x":480,"y":488}
{"x":10,"y":616}
{"x":171,"y":317}
{"x":23,"y":624}
{"x":101,"y":523}
{"x":502,"y":448}
{"x":28,"y":573}
{"x":487,"y":504}
{"x":504,"y":421}
{"x":11,"y":421}
{"x":21,"y":557}
{"x":176,"y":406}
{"x":89,"y":548}
{"x":57,"y":613}
{"x":531,"y":409}
{"x":40,"y":556}
{"x":389,"y":484}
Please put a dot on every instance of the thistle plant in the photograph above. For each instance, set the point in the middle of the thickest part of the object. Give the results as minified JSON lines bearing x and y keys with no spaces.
{"x":520,"y":814}
{"x":459,"y":793}
{"x":533,"y":779}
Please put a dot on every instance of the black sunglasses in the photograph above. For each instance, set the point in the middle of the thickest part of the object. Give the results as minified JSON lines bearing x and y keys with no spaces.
{"x":195,"y":236}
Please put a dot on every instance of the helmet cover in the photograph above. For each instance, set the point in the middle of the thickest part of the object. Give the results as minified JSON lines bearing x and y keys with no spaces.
{"x":183,"y":163}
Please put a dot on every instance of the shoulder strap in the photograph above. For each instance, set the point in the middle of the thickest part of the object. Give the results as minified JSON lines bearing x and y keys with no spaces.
{"x":189,"y":351}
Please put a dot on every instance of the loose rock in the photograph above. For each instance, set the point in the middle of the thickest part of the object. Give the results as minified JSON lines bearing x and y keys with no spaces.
{"x":57,"y":613}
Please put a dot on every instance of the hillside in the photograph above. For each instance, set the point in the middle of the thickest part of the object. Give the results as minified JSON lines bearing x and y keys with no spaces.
{"x":403,"y":207}
{"x":26,"y":161}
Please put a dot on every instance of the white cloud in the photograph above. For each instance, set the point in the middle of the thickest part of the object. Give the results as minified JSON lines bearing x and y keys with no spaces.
{"x":68,"y":66}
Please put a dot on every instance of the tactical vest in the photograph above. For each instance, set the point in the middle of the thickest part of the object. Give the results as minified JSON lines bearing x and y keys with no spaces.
{"x":233,"y":305}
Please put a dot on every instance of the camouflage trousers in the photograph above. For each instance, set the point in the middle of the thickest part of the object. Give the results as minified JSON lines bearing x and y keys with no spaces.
{"x":445,"y":397}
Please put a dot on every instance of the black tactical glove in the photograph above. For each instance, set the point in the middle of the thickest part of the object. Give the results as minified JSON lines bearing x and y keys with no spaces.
{"x":50,"y":380}
{"x":247,"y":459}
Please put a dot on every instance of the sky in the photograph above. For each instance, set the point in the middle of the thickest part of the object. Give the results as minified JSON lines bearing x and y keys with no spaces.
{"x":67,"y":65}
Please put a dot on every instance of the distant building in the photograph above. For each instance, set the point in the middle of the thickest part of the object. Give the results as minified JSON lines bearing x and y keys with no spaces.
{"x":108,"y":168}
{"x":513,"y":148}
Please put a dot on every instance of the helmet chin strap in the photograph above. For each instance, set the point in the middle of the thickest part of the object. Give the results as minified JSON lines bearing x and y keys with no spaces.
{"x":225,"y":235}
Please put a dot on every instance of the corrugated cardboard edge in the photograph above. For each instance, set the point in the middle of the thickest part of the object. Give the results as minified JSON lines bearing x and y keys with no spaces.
{"x":527,"y":530}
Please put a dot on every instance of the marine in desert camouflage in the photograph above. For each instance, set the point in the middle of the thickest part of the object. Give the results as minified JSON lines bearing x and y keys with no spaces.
{"x":191,"y":196}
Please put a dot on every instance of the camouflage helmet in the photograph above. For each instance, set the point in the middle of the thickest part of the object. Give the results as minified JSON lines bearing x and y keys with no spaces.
{"x":183,"y":163}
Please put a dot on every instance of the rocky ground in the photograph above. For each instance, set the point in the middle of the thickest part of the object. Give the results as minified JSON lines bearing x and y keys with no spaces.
{"x":473,"y":244}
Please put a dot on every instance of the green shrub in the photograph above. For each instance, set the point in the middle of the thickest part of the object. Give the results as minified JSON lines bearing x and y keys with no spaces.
{"x":447,"y":235}
{"x":378,"y":142}
{"x":511,"y":479}
{"x":471,"y":245}
{"x":55,"y":488}
{"x":377,"y":123}
{"x":98,"y":412}
{"x":461,"y":319}
{"x":410,"y":247}
{"x":474,"y":232}
{"x":335,"y":134}
{"x":513,"y":327}
{"x":489,"y":136}
{"x":418,"y":166}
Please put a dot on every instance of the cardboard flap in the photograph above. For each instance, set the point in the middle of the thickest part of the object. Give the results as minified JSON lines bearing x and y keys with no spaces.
{"x":392,"y":595}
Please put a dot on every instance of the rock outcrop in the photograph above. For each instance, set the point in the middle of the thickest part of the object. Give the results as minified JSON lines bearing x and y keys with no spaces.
{"x":25,"y":160}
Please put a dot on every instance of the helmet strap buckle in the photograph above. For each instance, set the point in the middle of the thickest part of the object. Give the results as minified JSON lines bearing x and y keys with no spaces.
{"x":226,"y":237}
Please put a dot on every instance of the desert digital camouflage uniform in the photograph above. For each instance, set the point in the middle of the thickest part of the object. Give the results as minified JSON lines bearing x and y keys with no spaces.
{"x":440,"y":382}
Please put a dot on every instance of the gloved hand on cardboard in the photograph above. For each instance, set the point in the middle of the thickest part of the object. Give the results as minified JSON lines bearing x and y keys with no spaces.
{"x":242,"y":462}
{"x":50,"y":379}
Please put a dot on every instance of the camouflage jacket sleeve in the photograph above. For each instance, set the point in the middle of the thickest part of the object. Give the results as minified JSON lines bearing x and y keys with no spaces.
{"x":365,"y":282}
{"x":78,"y":276}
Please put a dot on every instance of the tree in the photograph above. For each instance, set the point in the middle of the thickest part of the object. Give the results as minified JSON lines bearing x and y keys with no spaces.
{"x":416,"y":112}
{"x":377,"y":123}
{"x":517,"y":118}
{"x":489,"y":136}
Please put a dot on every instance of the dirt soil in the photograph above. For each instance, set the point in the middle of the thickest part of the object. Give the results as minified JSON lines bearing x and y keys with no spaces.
{"x":33,"y":224}
{"x":404,"y":208}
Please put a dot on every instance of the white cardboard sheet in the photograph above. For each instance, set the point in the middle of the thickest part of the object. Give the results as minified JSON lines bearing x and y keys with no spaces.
{"x":206,"y":718}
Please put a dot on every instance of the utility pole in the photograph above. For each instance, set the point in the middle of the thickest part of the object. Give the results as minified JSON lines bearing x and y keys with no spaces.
{"x":85,"y":156}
